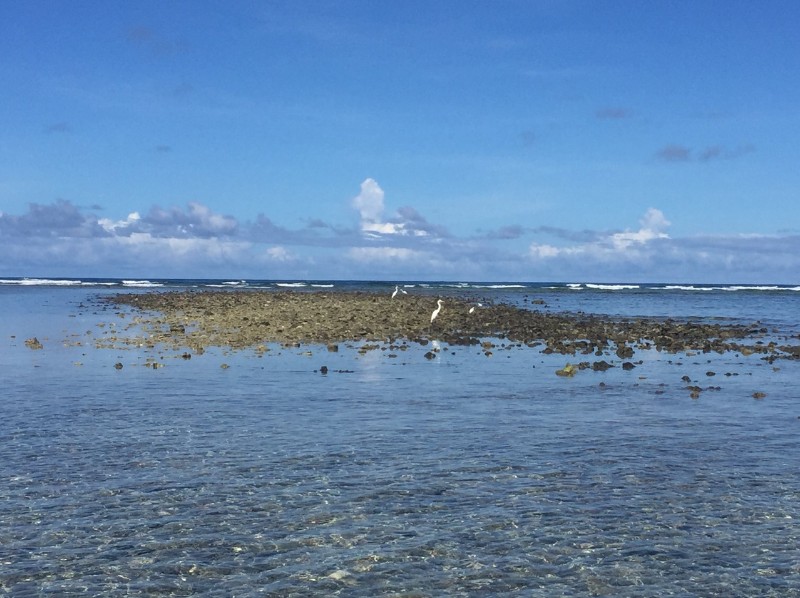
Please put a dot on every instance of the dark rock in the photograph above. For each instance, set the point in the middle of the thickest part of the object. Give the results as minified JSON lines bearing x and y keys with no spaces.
{"x":624,"y":352}
{"x":628,"y":366}
{"x":323,"y":370}
{"x":601,"y":366}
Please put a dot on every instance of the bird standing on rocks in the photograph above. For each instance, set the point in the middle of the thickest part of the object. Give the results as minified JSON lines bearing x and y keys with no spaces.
{"x":397,"y":289}
{"x":436,"y":311}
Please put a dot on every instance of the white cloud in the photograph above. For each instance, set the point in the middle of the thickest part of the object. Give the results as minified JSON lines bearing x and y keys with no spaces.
{"x":652,"y":225}
{"x":382,"y":254}
{"x":62,"y":239}
{"x":621,"y":245}
{"x":369,"y":202}
{"x":112,"y":226}
{"x":278,"y":254}
{"x":406,"y":221}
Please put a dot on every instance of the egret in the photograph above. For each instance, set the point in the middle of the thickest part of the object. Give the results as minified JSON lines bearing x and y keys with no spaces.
{"x":436,"y":311}
{"x":396,"y":290}
{"x":472,"y":309}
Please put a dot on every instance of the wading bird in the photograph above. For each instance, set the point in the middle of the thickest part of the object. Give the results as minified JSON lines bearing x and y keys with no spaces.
{"x":436,"y":311}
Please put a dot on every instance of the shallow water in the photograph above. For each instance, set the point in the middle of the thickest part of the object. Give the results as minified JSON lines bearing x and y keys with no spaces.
{"x":392,"y":474}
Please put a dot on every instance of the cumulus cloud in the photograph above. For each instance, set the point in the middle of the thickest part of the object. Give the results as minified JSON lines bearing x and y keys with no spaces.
{"x":369,"y":202}
{"x":60,"y":219}
{"x":194,"y":240}
{"x":622,"y":244}
{"x":653,"y":223}
{"x":405,"y":222}
{"x":196,"y":220}
{"x":112,"y":226}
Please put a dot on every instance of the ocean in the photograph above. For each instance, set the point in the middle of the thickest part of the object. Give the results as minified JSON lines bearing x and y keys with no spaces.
{"x":243,"y":473}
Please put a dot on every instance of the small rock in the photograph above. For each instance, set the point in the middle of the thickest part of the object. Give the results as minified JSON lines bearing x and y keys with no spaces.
{"x":323,"y":370}
{"x":33,"y":343}
{"x":224,"y":366}
{"x":628,"y":366}
{"x":759,"y":395}
{"x":568,"y":371}
{"x":624,"y":352}
{"x":118,"y":366}
{"x":430,"y":355}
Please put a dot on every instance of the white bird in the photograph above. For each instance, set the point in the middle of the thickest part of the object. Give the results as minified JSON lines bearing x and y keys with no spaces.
{"x":396,"y":290}
{"x":472,"y":309}
{"x":436,"y":311}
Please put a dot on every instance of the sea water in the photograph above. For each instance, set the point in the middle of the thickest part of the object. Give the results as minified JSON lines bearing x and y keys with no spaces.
{"x":234,"y":473}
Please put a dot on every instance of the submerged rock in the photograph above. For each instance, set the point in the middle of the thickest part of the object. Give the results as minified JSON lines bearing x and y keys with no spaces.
{"x":33,"y":343}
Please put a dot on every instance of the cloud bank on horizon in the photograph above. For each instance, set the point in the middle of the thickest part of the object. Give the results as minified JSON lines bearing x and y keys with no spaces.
{"x":192,"y":241}
{"x":526,"y":140}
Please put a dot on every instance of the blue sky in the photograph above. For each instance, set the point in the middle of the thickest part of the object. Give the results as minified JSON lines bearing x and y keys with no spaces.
{"x":533,"y":140}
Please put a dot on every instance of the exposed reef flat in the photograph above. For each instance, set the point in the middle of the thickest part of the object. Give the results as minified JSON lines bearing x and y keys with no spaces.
{"x":240,"y":319}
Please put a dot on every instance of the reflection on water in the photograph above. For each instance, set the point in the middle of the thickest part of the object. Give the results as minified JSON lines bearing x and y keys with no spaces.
{"x":395,"y":475}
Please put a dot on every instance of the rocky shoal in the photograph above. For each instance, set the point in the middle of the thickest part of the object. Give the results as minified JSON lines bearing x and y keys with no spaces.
{"x":240,"y":319}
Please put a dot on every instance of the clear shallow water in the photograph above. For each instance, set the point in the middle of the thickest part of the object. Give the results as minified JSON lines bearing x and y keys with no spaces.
{"x":465,"y":475}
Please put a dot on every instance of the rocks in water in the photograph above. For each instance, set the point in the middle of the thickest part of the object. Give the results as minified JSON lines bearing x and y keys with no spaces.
{"x":568,"y":371}
{"x":33,"y":343}
{"x":628,"y":366}
{"x":601,"y":366}
{"x":118,"y":366}
{"x":759,"y":395}
{"x":323,"y":370}
{"x":624,"y":352}
{"x":249,"y":318}
{"x":430,"y":355}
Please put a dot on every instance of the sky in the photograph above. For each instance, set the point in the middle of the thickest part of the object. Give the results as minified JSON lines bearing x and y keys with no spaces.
{"x":503,"y":140}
